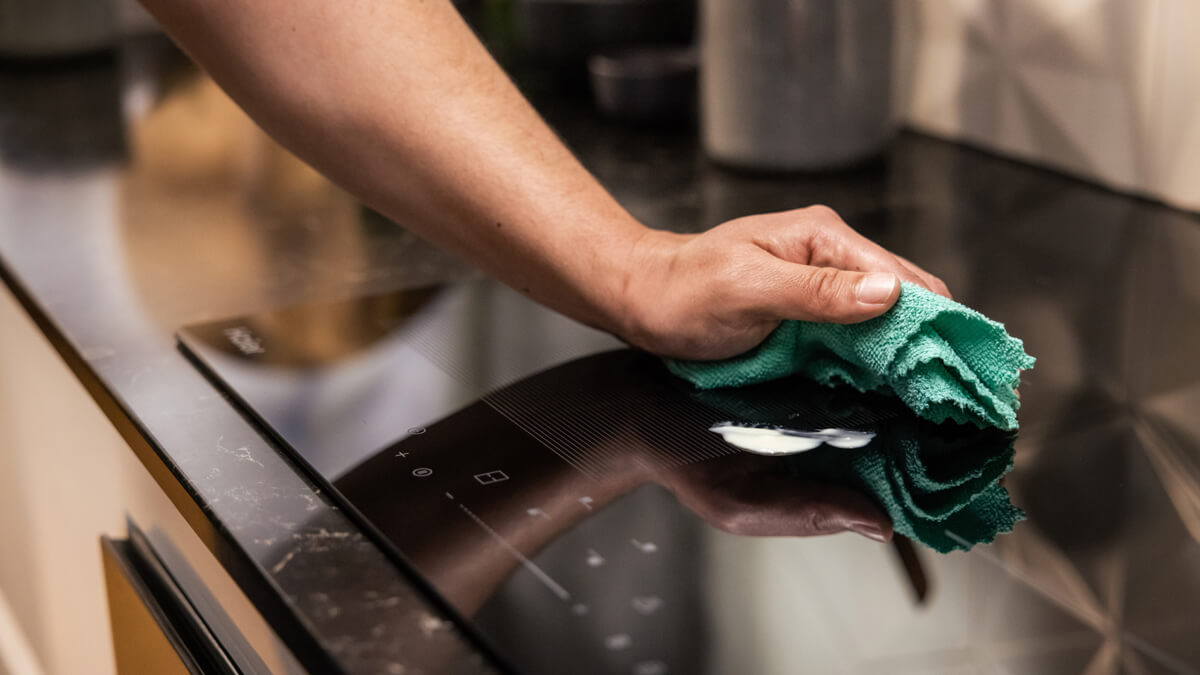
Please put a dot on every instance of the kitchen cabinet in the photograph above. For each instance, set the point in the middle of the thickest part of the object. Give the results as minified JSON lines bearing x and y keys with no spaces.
{"x":155,"y":629}
{"x":67,"y":478}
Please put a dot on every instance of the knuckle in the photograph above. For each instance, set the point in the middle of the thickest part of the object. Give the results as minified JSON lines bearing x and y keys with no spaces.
{"x":726,"y":512}
{"x":736,"y":522}
{"x":822,"y":237}
{"x":825,"y":245}
{"x":822,"y":211}
{"x":821,"y":521}
{"x":824,"y":284}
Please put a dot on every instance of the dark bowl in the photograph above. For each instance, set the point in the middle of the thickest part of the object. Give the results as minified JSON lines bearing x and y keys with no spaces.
{"x":568,"y":31}
{"x":645,"y":84}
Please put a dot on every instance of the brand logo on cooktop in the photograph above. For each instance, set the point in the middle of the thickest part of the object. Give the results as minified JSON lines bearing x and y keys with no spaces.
{"x":244,"y":340}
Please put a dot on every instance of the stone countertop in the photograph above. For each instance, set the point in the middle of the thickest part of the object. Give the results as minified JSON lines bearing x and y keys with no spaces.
{"x":135,"y":197}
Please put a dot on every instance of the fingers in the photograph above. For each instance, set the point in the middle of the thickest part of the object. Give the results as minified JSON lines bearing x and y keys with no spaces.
{"x":835,"y":509}
{"x":833,"y":243}
{"x":781,"y":506}
{"x":827,"y":295}
{"x":864,"y":254}
{"x":856,"y":512}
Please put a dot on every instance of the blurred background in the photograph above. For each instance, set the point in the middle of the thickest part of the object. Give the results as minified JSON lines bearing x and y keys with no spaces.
{"x":136,"y":197}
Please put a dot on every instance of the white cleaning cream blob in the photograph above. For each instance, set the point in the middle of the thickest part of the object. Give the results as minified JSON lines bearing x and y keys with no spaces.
{"x":845,"y":439}
{"x":762,"y":440}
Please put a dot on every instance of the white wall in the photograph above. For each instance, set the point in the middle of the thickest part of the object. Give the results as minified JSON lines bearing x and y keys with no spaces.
{"x":1105,"y":89}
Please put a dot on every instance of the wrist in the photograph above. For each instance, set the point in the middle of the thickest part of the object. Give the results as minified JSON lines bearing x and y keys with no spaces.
{"x":642,"y":281}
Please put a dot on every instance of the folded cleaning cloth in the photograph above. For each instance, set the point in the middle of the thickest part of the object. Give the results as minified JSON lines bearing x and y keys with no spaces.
{"x":939,"y":483}
{"x":946,"y":508}
{"x":944,"y":360}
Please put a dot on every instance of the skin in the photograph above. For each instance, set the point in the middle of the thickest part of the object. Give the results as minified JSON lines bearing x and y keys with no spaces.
{"x":401,"y":105}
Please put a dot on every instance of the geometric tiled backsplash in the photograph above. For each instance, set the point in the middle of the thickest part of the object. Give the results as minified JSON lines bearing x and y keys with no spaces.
{"x":1105,"y":89}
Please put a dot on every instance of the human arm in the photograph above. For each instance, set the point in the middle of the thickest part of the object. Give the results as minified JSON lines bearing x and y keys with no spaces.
{"x":399,"y":103}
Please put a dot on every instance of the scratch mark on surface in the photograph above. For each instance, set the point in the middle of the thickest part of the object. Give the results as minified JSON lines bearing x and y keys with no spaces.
{"x":430,"y":624}
{"x":97,"y":353}
{"x":321,"y":534}
{"x":378,"y":603}
{"x":313,"y":502}
{"x":144,"y":370}
{"x":240,"y":493}
{"x":283,"y":563}
{"x":242,"y":453}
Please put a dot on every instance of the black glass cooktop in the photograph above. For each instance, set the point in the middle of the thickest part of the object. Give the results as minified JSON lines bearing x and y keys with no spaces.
{"x":581,"y":511}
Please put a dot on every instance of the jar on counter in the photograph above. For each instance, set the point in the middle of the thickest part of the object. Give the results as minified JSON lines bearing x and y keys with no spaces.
{"x":796,"y":84}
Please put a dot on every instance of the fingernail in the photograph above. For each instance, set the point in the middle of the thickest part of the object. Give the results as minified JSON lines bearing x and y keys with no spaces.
{"x":868,"y":530}
{"x":876,"y":289}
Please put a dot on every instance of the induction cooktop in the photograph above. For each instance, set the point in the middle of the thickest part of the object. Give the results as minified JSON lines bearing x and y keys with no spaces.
{"x":579,"y":510}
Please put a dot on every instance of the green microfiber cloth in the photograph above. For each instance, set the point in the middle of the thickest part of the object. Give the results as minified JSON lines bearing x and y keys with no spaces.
{"x":944,"y":360}
{"x":937,"y":482}
{"x":969,"y":507}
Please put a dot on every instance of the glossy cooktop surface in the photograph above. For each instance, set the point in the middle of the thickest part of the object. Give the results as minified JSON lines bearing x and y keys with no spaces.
{"x":569,"y":501}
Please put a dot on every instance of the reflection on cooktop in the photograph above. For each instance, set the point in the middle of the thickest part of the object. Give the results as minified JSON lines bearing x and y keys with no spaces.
{"x":573,"y":505}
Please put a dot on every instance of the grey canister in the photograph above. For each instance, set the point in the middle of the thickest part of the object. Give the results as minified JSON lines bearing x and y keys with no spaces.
{"x":796,"y":84}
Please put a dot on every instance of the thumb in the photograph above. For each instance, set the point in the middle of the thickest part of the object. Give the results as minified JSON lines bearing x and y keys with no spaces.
{"x":831,"y":295}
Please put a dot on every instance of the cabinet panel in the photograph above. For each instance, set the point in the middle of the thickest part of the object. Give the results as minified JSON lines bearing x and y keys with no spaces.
{"x":154,"y":627}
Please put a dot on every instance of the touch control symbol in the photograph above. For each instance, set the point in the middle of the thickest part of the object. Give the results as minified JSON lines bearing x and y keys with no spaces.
{"x":423,"y":472}
{"x":618,"y":641}
{"x":644,"y":546}
{"x":647,"y":604}
{"x":489,"y":477}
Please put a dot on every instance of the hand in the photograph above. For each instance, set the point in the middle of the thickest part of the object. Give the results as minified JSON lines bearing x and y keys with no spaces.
{"x":717,"y":294}
{"x":746,"y":495}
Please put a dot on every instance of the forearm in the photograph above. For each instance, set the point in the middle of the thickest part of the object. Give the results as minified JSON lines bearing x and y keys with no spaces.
{"x":399,"y":104}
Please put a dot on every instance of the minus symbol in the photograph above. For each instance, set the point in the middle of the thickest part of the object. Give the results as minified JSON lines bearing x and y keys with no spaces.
{"x":450,"y":495}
